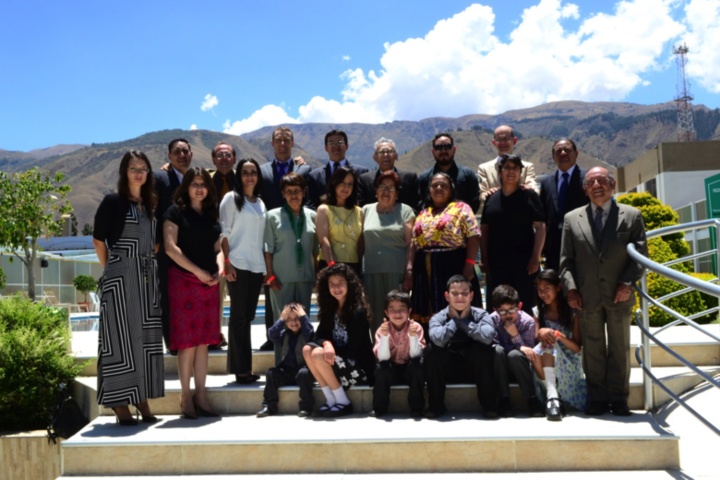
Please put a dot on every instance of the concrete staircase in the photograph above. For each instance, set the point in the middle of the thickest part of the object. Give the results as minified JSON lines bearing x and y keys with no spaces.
{"x":240,"y":443}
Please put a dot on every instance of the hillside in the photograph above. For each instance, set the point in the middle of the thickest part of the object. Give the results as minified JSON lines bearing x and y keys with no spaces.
{"x":614,"y":133}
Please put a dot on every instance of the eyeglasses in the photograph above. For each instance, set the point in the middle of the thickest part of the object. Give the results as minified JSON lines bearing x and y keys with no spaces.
{"x":603,"y":181}
{"x":511,"y":168}
{"x":180,"y":151}
{"x":462,"y":294}
{"x":386,"y":151}
{"x":223,"y":155}
{"x":198,"y":186}
{"x":386,"y":188}
{"x":142,"y":171}
{"x":511,"y":311}
{"x":339,"y":143}
{"x":443,"y":146}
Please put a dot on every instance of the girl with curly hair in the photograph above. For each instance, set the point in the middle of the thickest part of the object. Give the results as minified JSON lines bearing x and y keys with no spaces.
{"x":341,"y":354}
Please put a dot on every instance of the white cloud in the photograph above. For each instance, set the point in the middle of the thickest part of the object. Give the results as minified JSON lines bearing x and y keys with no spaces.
{"x":703,"y":41}
{"x":193,"y":127}
{"x":554,"y":53}
{"x":346,"y":58}
{"x":209,"y":103}
{"x":267,"y":115}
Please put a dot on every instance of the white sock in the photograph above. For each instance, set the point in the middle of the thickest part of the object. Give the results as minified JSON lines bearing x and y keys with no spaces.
{"x":329,"y":396}
{"x":340,"y":396}
{"x":550,"y":382}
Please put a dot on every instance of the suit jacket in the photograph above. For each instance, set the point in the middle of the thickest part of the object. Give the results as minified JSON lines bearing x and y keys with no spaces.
{"x":549,"y":196}
{"x":595,"y":268}
{"x":408,"y":188}
{"x":490,"y":178}
{"x":466,"y":184}
{"x":318,"y":179}
{"x":165,"y":185}
{"x":270,"y":193}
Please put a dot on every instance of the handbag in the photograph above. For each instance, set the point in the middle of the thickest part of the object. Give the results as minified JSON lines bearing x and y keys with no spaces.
{"x":67,"y":419}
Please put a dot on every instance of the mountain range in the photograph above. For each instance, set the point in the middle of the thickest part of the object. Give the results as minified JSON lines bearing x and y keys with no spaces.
{"x":607,"y":133}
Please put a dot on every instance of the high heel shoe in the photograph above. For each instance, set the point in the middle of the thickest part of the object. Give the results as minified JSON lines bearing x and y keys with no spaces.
{"x":202,"y":412}
{"x":125,"y":422}
{"x":187,"y":415}
{"x":149,"y":418}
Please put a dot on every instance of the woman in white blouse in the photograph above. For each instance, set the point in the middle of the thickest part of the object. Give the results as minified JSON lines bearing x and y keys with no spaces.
{"x":242,"y":217}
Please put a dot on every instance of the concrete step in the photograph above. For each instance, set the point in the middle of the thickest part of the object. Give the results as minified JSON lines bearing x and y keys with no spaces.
{"x":357,"y":444}
{"x":229,"y":398}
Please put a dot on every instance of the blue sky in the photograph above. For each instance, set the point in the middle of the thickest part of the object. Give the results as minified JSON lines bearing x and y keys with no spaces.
{"x":88,"y":71}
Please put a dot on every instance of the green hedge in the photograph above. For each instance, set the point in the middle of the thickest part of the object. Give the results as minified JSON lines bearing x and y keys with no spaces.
{"x":34,"y":360}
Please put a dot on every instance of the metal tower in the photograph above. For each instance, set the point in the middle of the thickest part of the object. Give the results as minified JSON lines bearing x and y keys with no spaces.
{"x":683,"y":100}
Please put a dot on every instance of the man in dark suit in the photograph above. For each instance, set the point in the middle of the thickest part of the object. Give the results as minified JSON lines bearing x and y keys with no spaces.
{"x":282,"y":141}
{"x":597,"y":274}
{"x":561,"y":192}
{"x":467,"y":188}
{"x":223,"y":157}
{"x":336,"y":144}
{"x":386,"y":155}
{"x":166,"y":182}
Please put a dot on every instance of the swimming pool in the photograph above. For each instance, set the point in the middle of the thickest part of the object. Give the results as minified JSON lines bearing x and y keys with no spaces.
{"x":88,"y":321}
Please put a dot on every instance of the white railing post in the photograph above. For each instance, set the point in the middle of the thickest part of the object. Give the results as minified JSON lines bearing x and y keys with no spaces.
{"x":647,"y":381}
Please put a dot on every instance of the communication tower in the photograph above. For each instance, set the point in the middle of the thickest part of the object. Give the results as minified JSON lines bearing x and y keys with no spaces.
{"x":683,"y":100}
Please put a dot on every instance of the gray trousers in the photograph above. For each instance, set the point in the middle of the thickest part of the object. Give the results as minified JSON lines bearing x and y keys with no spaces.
{"x":513,"y":364}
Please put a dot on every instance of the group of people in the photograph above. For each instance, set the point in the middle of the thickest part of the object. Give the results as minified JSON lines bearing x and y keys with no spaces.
{"x":388,"y":252}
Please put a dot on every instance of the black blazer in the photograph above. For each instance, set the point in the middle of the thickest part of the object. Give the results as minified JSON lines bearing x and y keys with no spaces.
{"x":165,"y":185}
{"x":549,"y":196}
{"x":271,"y":195}
{"x":408,"y":188}
{"x":318,"y":179}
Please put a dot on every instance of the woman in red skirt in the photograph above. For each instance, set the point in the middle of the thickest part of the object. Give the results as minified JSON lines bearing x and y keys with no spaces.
{"x":192,"y":240}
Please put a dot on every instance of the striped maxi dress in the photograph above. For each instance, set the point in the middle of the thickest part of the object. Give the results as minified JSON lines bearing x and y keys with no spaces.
{"x":130,"y":350}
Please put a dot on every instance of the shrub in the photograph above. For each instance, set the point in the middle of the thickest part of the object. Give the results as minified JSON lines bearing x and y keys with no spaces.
{"x":710,"y":301}
{"x":34,"y":360}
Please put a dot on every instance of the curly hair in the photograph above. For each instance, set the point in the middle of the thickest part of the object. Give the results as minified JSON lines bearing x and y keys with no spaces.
{"x":565,"y":313}
{"x":328,"y":305}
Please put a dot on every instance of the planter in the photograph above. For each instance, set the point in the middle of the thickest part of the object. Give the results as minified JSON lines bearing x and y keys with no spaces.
{"x":28,"y":456}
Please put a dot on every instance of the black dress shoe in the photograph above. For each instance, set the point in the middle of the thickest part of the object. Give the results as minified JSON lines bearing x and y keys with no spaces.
{"x":339,"y":410}
{"x":377,"y":412}
{"x":265,"y":411}
{"x":434,"y":414}
{"x":303,"y":413}
{"x":490,"y":414}
{"x":416,"y":414}
{"x":246,"y":379}
{"x":620,"y":409}
{"x":505,"y":408}
{"x":552,"y":411}
{"x":267,"y":347}
{"x":596,"y":408}
{"x":535,"y":408}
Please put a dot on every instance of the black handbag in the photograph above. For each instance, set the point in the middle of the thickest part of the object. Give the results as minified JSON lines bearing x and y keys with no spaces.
{"x":67,"y":417}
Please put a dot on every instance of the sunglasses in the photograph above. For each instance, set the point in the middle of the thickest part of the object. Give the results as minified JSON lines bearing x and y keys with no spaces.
{"x":442,"y":146}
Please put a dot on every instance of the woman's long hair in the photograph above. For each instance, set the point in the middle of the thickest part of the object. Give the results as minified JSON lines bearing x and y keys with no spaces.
{"x":337,"y":178}
{"x":565,"y":313}
{"x":238,"y":193}
{"x":147,"y":191}
{"x":328,"y":305}
{"x":182,"y":195}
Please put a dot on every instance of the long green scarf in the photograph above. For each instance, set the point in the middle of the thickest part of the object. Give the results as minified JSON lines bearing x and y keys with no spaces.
{"x":298,"y":227}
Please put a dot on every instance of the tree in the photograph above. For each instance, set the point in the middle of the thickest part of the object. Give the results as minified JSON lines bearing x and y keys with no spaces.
{"x":87,"y":229}
{"x":85,"y":284}
{"x":31,"y":206}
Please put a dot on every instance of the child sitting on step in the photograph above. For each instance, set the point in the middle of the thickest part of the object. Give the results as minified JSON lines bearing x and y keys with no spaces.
{"x":399,"y":345}
{"x":559,"y":347}
{"x":341,"y":354}
{"x":291,"y":332}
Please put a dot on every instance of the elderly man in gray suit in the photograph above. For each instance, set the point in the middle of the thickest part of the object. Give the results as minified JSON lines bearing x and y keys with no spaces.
{"x":598,"y":273}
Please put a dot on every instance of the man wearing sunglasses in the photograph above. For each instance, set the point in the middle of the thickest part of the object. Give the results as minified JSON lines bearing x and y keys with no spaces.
{"x":504,"y":141}
{"x":465,"y":180}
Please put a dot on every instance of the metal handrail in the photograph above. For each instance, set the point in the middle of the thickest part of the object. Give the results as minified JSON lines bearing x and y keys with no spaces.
{"x":642,"y":352}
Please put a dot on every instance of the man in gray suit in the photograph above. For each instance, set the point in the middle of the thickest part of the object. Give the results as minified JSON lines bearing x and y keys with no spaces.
{"x":598,"y":273}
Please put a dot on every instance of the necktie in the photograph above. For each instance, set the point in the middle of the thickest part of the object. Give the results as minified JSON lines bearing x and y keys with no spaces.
{"x":225,"y":187}
{"x":335,"y":165}
{"x":562,"y":194}
{"x":281,"y":169}
{"x":599,"y":220}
